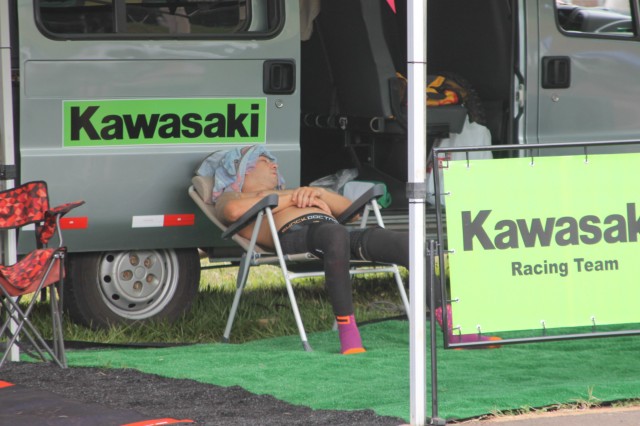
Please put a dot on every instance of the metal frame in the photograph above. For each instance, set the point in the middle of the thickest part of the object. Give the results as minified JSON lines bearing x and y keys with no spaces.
{"x":252,"y":258}
{"x":19,"y":316}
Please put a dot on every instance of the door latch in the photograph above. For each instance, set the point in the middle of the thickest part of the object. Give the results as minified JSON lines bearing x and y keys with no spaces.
{"x":556,"y":72}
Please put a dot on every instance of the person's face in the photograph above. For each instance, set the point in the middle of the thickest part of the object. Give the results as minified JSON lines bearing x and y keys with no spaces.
{"x":263,"y":176}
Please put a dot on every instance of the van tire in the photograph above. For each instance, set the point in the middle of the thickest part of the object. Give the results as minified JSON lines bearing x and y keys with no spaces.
{"x":108,"y":288}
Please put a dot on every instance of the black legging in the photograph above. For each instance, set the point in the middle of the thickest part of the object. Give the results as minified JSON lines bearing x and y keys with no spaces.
{"x":336,"y":245}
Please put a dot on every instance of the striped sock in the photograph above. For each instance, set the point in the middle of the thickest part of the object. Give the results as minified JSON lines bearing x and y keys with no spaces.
{"x":350,"y":341}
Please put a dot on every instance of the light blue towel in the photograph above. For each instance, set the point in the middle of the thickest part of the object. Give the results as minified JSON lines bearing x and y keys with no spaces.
{"x":229,"y":168}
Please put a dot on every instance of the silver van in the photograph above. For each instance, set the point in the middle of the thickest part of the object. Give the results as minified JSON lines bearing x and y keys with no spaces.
{"x":118,"y":101}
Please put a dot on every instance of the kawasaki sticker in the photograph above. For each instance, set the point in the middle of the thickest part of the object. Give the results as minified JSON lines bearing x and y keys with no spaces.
{"x":164,"y":121}
{"x":543,"y":243}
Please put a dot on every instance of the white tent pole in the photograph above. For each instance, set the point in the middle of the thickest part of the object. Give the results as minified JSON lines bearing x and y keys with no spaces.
{"x":416,"y":192}
{"x":7,"y":238}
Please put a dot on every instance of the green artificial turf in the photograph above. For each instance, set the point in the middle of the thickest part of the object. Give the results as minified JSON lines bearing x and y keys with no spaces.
{"x":471,"y":382}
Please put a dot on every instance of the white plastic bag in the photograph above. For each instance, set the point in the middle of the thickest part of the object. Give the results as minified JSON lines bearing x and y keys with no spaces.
{"x":473,"y":134}
{"x":336,"y":181}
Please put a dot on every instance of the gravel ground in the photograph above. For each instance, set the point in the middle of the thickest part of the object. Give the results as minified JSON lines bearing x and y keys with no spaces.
{"x":158,"y":397}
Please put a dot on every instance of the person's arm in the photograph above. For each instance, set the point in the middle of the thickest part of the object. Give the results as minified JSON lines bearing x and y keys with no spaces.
{"x":305,"y":196}
{"x":230,"y":206}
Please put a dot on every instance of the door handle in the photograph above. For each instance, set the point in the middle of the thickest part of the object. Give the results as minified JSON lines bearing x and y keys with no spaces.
{"x":556,"y":72}
{"x":279,"y":77}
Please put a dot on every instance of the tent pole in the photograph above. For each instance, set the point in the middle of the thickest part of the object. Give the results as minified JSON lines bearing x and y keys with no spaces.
{"x":8,"y":251}
{"x":416,"y":193}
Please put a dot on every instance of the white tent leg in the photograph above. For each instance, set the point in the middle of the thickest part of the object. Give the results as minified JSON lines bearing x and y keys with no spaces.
{"x":7,"y":157}
{"x":416,"y":192}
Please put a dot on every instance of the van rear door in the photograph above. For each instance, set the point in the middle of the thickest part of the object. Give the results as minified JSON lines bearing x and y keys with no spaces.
{"x":122,"y":99}
{"x":589,"y":63}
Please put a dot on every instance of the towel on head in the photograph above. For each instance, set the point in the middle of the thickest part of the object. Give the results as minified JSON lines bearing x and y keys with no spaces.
{"x":230,"y":171}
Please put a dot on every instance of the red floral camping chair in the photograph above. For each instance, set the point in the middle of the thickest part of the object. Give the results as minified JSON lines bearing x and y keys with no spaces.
{"x":41,"y":268}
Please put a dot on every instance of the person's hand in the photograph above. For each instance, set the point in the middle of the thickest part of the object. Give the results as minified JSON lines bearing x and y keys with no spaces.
{"x":306,"y":196}
{"x":317,"y":202}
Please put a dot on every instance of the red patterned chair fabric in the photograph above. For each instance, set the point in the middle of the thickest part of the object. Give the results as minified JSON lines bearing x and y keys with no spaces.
{"x":24,"y":277}
{"x":42,"y":267}
{"x":26,"y":204}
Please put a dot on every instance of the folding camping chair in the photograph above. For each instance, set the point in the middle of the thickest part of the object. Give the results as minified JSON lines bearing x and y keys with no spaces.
{"x":43,"y":267}
{"x":254,"y":255}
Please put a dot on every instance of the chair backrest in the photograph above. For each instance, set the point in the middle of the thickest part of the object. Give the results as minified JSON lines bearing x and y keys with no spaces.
{"x":200,"y":192}
{"x":23,"y":205}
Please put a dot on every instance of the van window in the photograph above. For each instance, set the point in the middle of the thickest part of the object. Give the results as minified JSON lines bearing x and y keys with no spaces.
{"x":608,"y":18}
{"x":155,"y":18}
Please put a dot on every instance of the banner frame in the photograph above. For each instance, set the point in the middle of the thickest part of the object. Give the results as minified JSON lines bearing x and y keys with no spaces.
{"x":523,"y":151}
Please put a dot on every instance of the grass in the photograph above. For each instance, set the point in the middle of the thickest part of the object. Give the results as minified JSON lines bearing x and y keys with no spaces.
{"x":264,"y":310}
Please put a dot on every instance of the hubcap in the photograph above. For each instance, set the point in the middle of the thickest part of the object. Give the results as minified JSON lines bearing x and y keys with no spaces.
{"x":138,"y":284}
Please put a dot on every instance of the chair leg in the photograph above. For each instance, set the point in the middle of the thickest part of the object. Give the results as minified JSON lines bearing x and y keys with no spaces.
{"x":7,"y":330}
{"x":285,"y":273}
{"x":403,"y":292}
{"x":25,"y":328}
{"x":33,"y":335}
{"x":19,"y":317}
{"x":296,"y":312}
{"x":55,"y":292}
{"x":59,"y":287}
{"x":241,"y":282}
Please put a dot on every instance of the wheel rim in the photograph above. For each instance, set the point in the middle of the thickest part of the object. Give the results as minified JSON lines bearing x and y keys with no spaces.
{"x":140,"y":283}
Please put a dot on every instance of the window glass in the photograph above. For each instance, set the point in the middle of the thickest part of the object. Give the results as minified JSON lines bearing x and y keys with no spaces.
{"x":597,"y":17}
{"x":153,"y":17}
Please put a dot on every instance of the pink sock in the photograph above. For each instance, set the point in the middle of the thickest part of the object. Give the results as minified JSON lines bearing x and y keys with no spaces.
{"x":350,"y":341}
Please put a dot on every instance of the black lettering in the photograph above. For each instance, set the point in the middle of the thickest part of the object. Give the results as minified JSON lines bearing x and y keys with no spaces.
{"x":82,"y":121}
{"x":141,"y":124}
{"x":172,"y":128}
{"x":191,"y":122}
{"x":112,"y":129}
{"x":255,"y":120}
{"x":235,"y":124}
{"x":217,"y":128}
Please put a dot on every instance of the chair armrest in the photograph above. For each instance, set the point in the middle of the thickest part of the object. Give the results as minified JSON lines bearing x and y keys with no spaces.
{"x":63,"y":209}
{"x":270,"y":200}
{"x":51,"y":222}
{"x":358,"y":205}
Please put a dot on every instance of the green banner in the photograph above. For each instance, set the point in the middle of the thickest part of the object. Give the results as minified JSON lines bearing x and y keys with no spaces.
{"x":164,"y":121}
{"x":543,"y":243}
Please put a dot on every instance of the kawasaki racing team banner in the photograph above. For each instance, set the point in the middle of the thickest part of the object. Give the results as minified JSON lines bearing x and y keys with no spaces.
{"x":164,"y":121}
{"x":543,"y":243}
